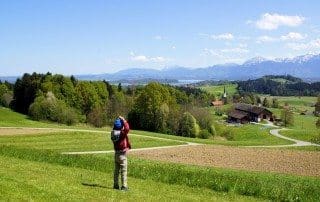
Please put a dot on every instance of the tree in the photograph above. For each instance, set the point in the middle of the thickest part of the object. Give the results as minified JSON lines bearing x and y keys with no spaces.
{"x":287,"y":117}
{"x":265,"y":102}
{"x":258,"y":100}
{"x":275,"y":103}
{"x":25,"y":91}
{"x":48,"y":107}
{"x":153,"y":101}
{"x":317,"y":107}
{"x":97,"y":117}
{"x":119,"y":87}
{"x":3,"y":91}
{"x":188,"y":126}
{"x":87,"y":96}
{"x":204,"y":118}
{"x":318,"y":123}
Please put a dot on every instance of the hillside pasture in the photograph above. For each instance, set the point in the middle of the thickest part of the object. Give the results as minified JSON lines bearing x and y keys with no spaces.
{"x":217,"y":90}
{"x":78,"y":141}
{"x":33,"y":167}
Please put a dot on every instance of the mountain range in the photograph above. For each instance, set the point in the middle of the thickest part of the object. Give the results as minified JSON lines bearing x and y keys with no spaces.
{"x":305,"y":66}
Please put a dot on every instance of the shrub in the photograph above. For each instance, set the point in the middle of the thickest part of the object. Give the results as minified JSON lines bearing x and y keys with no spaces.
{"x":212,"y":130}
{"x":188,"y":126}
{"x":97,"y":117}
{"x":52,"y":109}
{"x":318,"y":123}
{"x":316,"y":139}
{"x":228,"y":133}
{"x":204,"y":134}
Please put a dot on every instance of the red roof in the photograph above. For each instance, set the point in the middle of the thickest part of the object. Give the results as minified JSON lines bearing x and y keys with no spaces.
{"x":217,"y":103}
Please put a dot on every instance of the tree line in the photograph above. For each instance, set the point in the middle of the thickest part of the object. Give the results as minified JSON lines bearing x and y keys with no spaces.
{"x":280,"y":86}
{"x":153,"y":107}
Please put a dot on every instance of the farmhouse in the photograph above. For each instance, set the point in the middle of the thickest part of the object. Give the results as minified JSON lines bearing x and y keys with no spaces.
{"x":244,"y":113}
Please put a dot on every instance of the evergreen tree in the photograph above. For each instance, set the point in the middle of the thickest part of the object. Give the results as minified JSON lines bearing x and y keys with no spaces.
{"x":275,"y":103}
{"x":119,"y":87}
{"x":265,"y":102}
{"x":287,"y":117}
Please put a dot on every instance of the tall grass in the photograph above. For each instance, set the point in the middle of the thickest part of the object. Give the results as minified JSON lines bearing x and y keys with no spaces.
{"x":264,"y":185}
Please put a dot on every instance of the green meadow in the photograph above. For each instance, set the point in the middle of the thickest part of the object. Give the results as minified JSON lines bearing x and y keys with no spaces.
{"x":33,"y":168}
{"x":218,"y":90}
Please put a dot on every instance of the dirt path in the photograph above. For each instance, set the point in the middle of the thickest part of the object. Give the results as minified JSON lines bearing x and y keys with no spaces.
{"x":23,"y":131}
{"x":254,"y":159}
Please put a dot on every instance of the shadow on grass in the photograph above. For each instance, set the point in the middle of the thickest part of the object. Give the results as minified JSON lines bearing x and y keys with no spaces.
{"x":94,"y":185}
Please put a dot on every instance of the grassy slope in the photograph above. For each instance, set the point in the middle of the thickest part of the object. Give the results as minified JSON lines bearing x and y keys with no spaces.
{"x":193,"y":181}
{"x":27,"y":180}
{"x":78,"y":141}
{"x":304,"y":127}
{"x":217,"y":90}
{"x":153,"y":173}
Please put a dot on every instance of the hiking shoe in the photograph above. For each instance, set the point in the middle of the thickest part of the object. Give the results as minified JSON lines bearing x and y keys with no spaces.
{"x":116,"y":186}
{"x":124,"y":188}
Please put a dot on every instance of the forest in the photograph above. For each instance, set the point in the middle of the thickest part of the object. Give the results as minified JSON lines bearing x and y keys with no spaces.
{"x":153,"y":107}
{"x":284,"y":85}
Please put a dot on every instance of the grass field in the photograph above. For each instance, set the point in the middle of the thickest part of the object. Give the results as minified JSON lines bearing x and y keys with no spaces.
{"x":217,"y":90}
{"x":78,"y":141}
{"x":304,"y":127}
{"x":33,"y":168}
{"x":40,"y":181}
{"x":39,"y":174}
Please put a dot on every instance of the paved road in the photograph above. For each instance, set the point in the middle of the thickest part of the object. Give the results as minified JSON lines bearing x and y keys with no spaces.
{"x":297,"y":143}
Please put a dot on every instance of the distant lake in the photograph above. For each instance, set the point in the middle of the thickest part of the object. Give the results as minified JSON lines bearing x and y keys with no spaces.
{"x":184,"y":82}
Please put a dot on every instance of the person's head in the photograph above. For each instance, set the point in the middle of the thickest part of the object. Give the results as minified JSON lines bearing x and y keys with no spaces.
{"x":117,"y":125}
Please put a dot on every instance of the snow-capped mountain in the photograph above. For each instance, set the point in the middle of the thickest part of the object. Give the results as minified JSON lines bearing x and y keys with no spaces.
{"x":305,"y":66}
{"x":255,"y":60}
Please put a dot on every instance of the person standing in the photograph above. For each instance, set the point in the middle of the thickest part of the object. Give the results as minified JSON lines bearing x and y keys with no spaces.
{"x":119,"y":136}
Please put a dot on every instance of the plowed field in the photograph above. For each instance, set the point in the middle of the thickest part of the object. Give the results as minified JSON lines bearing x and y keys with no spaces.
{"x":305,"y":163}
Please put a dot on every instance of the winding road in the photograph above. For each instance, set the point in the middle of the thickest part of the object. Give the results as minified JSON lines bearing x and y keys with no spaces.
{"x":297,"y":143}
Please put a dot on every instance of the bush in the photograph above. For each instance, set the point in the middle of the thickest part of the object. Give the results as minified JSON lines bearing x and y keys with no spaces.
{"x":212,"y":130}
{"x":318,"y":123}
{"x":188,"y":126}
{"x":316,"y":139}
{"x":49,"y":108}
{"x":204,"y":134}
{"x":97,"y":117}
{"x":228,"y":133}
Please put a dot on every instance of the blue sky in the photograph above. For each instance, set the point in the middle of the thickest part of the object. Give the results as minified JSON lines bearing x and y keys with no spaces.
{"x":89,"y":37}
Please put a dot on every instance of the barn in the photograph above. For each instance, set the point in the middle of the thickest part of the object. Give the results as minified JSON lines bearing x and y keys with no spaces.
{"x":243,"y":113}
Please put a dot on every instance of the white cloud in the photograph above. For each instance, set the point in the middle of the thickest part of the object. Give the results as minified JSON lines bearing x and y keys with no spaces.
{"x":225,"y":36}
{"x":140,"y":58}
{"x":292,"y":36}
{"x":226,"y":53}
{"x":273,"y":21}
{"x":143,"y":58}
{"x":234,"y":55}
{"x":265,"y":38}
{"x":243,"y":45}
{"x":235,"y":50}
{"x":158,"y":37}
{"x":312,"y":45}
